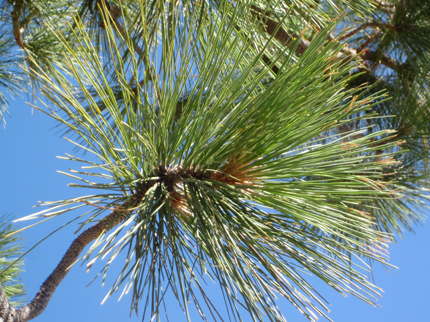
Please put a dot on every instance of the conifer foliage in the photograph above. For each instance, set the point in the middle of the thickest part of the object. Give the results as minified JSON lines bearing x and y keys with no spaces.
{"x":245,"y":142}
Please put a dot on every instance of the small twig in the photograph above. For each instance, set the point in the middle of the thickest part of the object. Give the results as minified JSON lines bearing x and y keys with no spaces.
{"x":359,"y":28}
{"x":108,"y":208}
{"x":369,"y":40}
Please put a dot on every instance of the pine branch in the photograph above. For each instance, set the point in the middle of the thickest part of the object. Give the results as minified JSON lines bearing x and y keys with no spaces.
{"x":169,"y":177}
{"x":41,"y":300}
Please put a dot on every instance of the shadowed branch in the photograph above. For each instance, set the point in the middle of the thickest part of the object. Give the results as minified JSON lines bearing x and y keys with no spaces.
{"x":17,"y":29}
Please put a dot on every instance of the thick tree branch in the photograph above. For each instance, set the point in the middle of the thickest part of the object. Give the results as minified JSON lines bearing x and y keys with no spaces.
{"x":41,"y":300}
{"x":379,"y":57}
{"x":17,"y":29}
{"x":280,"y":34}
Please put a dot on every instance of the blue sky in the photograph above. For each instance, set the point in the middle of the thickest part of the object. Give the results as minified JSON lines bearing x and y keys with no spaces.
{"x":28,"y":164}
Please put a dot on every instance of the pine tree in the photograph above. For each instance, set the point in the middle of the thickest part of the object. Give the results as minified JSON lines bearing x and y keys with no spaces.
{"x":243,"y":142}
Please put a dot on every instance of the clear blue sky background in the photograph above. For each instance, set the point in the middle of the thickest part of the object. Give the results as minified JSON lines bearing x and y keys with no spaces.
{"x":28,"y":164}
